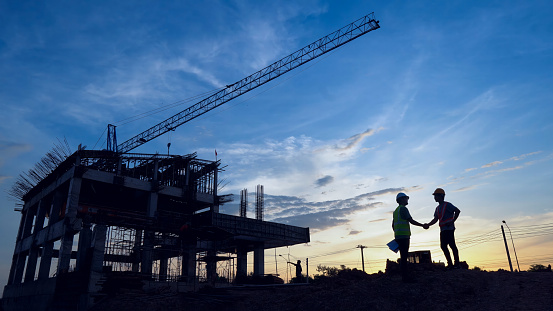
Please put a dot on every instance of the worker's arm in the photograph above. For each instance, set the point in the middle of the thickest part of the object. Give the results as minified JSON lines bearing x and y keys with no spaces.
{"x":456,"y":213}
{"x":433,"y":221}
{"x":416,"y":223}
{"x":393,"y":225}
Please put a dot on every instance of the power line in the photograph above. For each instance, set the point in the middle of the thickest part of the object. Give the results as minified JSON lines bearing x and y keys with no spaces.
{"x":332,"y":253}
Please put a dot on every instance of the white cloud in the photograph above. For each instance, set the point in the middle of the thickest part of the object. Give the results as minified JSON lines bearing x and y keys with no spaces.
{"x":495,"y":163}
{"x":300,"y":165}
{"x":523,"y":156}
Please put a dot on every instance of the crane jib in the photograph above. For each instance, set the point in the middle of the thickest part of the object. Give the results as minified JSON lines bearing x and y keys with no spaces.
{"x":271,"y":72}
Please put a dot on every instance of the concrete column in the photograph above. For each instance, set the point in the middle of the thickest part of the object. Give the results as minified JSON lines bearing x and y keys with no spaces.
{"x":42,"y":209}
{"x":241,"y":263}
{"x":57,"y":205}
{"x":163,"y":260}
{"x":84,"y":248}
{"x":20,"y":259}
{"x":96,"y":259}
{"x":211,"y":266}
{"x":99,"y":240}
{"x":147,"y":253}
{"x":48,"y":248}
{"x":215,"y":207}
{"x":149,"y":236}
{"x":189,"y":262}
{"x":163,"y":264}
{"x":13,"y":267}
{"x":21,"y":225}
{"x":31,"y":264}
{"x":15,"y":258}
{"x":33,"y":253}
{"x":259,"y":260}
{"x":19,"y":264}
{"x":46,"y":260}
{"x":29,"y":217}
{"x":71,"y":225}
{"x":136,"y":250}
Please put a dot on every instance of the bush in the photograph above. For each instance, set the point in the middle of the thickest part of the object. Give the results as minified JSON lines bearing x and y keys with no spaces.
{"x":539,"y":268}
{"x":328,"y":271}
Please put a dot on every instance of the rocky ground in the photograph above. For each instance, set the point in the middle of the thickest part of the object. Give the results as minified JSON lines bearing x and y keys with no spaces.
{"x":433,"y":290}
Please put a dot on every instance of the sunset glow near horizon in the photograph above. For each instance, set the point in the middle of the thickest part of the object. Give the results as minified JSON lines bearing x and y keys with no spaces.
{"x":455,"y":95}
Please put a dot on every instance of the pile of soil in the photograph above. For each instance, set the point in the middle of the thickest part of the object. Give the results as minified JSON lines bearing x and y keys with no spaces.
{"x":433,"y":290}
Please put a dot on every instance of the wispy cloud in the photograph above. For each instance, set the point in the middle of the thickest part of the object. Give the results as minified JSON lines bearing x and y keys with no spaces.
{"x":484,"y":101}
{"x":323,"y":215}
{"x":379,"y":220}
{"x":467,"y":188}
{"x":355,"y":140}
{"x":494,"y":172}
{"x":495,"y":163}
{"x":524,"y":156}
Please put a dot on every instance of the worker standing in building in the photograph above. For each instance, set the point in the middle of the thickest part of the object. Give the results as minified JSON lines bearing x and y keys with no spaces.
{"x":298,"y":270}
{"x":447,"y":214}
{"x":402,"y":233}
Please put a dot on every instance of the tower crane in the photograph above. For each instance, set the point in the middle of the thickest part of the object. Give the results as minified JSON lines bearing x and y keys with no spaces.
{"x":306,"y":54}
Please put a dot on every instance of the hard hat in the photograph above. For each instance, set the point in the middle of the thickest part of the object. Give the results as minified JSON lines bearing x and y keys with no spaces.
{"x":439,"y":191}
{"x":400,"y":195}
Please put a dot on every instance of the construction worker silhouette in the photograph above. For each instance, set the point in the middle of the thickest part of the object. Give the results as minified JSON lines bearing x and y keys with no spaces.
{"x":402,"y":232}
{"x":298,"y":269}
{"x":446,"y":213}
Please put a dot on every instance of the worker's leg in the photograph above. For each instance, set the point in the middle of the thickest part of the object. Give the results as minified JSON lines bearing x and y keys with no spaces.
{"x":453,"y":246}
{"x":403,"y":253}
{"x":444,"y":240}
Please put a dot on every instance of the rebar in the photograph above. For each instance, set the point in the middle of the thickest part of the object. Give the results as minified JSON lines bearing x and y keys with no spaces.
{"x":44,"y":167}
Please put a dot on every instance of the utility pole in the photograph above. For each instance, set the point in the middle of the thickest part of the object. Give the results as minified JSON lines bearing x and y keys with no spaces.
{"x":513,"y":241}
{"x":362,"y":259}
{"x":307,"y":269}
{"x":507,"y":248}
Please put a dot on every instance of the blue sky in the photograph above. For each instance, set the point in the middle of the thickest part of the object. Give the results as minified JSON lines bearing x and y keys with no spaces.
{"x":451,"y":94}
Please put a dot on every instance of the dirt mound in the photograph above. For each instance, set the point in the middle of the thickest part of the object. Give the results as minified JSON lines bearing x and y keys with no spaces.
{"x":433,"y":290}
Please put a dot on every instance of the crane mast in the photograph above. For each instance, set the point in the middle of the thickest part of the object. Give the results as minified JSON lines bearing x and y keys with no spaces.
{"x":306,"y":54}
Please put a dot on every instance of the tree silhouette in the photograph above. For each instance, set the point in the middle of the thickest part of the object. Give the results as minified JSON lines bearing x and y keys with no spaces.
{"x":539,"y":268}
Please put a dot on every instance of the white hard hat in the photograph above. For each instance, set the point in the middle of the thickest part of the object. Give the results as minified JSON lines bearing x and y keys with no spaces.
{"x":400,"y":195}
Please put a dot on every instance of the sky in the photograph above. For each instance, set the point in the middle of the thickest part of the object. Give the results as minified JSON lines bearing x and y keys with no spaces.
{"x":451,"y":94}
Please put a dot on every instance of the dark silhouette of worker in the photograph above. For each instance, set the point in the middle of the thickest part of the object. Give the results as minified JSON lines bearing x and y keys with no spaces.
{"x":298,"y":269}
{"x":446,"y":213}
{"x":402,"y":233}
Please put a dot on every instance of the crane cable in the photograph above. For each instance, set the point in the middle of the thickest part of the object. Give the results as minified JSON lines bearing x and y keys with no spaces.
{"x":166,"y":107}
{"x":183,"y":101}
{"x":156,"y":110}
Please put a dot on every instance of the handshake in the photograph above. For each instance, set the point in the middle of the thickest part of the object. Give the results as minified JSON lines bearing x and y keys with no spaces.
{"x":425,"y":226}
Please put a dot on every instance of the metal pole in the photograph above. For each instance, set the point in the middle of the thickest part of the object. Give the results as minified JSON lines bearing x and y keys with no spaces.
{"x":286,"y":267}
{"x":276,"y":265}
{"x":307,"y":269}
{"x":512,"y":241}
{"x":362,"y":259}
{"x":507,"y":248}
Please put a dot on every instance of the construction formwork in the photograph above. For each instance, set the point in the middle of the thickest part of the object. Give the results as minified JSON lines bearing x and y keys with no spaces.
{"x":102,"y":220}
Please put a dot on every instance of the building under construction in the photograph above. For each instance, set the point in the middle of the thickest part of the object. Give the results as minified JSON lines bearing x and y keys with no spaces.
{"x":103,"y":219}
{"x":98,"y":220}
